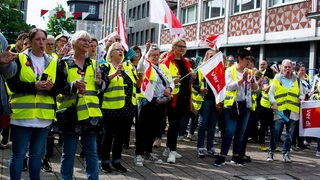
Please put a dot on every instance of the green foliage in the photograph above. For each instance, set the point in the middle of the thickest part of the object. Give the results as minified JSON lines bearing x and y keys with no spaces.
{"x":56,"y":25}
{"x":11,"y":20}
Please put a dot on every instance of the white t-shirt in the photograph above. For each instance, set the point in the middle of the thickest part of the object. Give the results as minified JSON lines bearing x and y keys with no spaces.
{"x":38,"y":64}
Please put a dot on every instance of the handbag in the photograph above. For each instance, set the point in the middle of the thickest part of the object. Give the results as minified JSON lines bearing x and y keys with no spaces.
{"x":67,"y":118}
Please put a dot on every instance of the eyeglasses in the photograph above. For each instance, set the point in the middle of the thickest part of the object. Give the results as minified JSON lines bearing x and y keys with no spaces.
{"x":50,"y":44}
{"x":118,"y":49}
{"x":118,"y":40}
{"x":84,"y":40}
{"x":181,"y":46}
{"x":62,"y":41}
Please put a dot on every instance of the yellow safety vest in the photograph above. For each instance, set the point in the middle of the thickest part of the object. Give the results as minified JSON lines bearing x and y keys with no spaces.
{"x":254,"y":101}
{"x":287,"y":99}
{"x":39,"y":105}
{"x":231,"y":95}
{"x":264,"y":102}
{"x":114,"y":96}
{"x":196,"y":97}
{"x":175,"y":74}
{"x":88,"y":103}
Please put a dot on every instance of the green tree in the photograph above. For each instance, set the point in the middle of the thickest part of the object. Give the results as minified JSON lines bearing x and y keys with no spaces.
{"x":11,"y":19}
{"x":56,"y":25}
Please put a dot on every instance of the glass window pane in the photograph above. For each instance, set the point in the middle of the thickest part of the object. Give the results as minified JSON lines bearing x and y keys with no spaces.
{"x":247,"y":5}
{"x":236,"y":6}
{"x":206,"y":10}
{"x":191,"y":14}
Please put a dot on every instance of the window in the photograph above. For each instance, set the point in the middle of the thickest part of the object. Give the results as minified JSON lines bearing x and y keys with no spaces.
{"x":134,"y":13}
{"x":141,"y":38}
{"x":139,"y":12}
{"x":144,"y":10}
{"x":277,"y":2}
{"x":146,"y":36}
{"x":244,"y":5}
{"x":152,"y":38}
{"x":148,"y":6}
{"x":92,"y":9}
{"x":72,"y":8}
{"x":130,"y":13}
{"x":213,"y":8}
{"x":137,"y":38}
{"x":189,"y":14}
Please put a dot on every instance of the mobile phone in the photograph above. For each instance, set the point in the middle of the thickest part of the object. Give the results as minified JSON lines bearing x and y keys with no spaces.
{"x":44,"y":77}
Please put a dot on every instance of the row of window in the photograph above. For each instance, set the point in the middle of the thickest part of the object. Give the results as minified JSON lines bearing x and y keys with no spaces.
{"x":140,"y":38}
{"x":139,"y":12}
{"x":91,"y":8}
{"x":216,"y":8}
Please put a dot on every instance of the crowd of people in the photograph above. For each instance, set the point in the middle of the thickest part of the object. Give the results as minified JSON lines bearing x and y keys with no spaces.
{"x":55,"y":85}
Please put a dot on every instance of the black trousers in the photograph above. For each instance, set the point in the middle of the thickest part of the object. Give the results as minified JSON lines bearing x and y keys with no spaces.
{"x":114,"y":132}
{"x":148,"y":125}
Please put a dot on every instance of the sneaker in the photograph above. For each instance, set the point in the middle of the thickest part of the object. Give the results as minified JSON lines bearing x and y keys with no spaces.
{"x":180,"y":138}
{"x":215,"y":142}
{"x":221,"y":161}
{"x":172,"y":157}
{"x":306,"y":143}
{"x":263,"y":147}
{"x":138,"y":160}
{"x":237,"y":160}
{"x":152,"y":158}
{"x":201,"y":153}
{"x":212,"y":153}
{"x":119,"y":167}
{"x":46,"y":166}
{"x":191,"y":137}
{"x":167,"y":151}
{"x":286,"y":158}
{"x":318,"y":153}
{"x":105,"y":167}
{"x":157,"y":143}
{"x":270,"y":157}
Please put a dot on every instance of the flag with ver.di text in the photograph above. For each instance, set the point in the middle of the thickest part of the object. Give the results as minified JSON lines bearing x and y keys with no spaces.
{"x":213,"y":71}
{"x":309,"y":119}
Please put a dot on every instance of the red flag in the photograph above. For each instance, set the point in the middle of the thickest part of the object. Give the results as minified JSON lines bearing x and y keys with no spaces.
{"x":43,"y":12}
{"x":213,"y":42}
{"x":76,"y":15}
{"x":160,"y":13}
{"x":59,"y":14}
{"x":122,"y":32}
{"x":213,"y":71}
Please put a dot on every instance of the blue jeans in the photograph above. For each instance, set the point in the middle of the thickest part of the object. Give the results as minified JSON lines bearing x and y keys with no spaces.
{"x":277,"y":131}
{"x":318,"y":144}
{"x":22,"y":137}
{"x":208,"y":121}
{"x":69,"y":148}
{"x":234,"y":127}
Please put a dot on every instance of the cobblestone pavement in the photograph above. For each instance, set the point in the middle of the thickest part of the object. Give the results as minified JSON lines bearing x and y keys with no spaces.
{"x":305,"y":165}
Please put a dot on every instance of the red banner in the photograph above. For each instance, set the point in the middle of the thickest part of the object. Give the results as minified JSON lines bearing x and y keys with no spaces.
{"x":309,"y":119}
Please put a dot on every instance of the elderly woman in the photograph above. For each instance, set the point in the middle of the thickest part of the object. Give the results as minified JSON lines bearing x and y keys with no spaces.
{"x":237,"y":106}
{"x":50,"y":47}
{"x":33,"y":105}
{"x":79,"y":87}
{"x":118,"y":105}
{"x":179,"y":111}
{"x":152,"y":109}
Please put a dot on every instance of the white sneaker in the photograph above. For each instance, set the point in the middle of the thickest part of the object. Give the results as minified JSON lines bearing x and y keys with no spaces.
{"x":318,"y":154}
{"x":167,"y":152}
{"x":172,"y":157}
{"x":157,"y":143}
{"x":138,"y":160}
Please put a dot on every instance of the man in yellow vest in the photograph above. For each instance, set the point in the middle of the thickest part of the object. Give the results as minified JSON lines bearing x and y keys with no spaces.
{"x":285,"y":95}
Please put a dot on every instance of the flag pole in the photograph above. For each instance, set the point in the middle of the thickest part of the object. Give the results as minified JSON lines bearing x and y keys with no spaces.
{"x":149,"y":31}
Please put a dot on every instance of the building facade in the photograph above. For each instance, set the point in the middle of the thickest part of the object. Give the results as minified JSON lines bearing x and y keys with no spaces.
{"x":93,"y":22}
{"x":274,"y":29}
